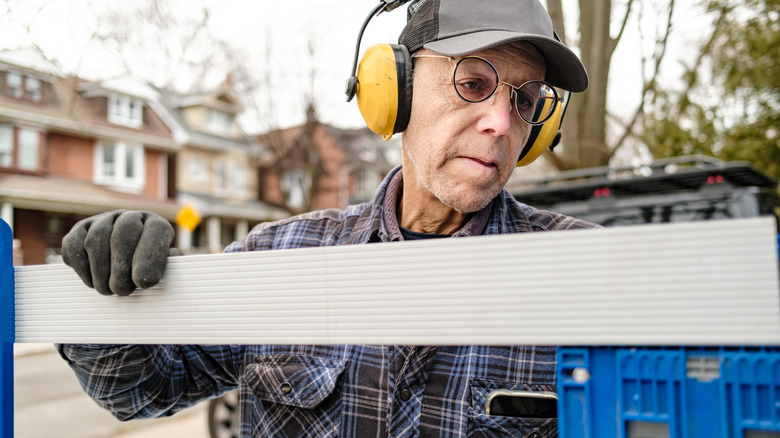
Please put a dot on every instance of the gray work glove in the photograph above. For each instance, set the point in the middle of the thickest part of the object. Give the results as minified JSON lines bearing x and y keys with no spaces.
{"x":119,"y":251}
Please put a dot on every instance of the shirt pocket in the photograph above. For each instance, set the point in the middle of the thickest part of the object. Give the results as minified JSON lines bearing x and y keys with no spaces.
{"x":299,"y":381}
{"x":481,"y":424}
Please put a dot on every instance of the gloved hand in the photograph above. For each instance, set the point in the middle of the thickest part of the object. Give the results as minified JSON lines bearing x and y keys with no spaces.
{"x":119,"y":251}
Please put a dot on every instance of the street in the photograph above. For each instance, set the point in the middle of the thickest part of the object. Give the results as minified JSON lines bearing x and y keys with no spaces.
{"x":48,"y":402}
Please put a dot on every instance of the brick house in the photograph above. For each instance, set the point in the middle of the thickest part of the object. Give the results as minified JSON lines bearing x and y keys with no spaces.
{"x":346,"y":166}
{"x":71,"y":148}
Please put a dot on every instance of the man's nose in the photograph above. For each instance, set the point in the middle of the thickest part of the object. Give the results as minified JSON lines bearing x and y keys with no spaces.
{"x":496,"y":117}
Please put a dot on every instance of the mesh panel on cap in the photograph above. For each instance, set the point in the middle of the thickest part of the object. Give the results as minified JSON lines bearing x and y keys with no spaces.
{"x":422,"y":25}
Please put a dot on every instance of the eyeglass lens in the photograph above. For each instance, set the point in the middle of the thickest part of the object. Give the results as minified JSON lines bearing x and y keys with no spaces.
{"x":475,"y":80}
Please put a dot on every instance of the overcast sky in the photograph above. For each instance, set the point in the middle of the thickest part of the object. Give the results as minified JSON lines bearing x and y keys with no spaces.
{"x":61,"y":28}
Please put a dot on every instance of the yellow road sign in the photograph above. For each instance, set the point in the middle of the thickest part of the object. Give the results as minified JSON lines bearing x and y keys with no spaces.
{"x":188,"y":217}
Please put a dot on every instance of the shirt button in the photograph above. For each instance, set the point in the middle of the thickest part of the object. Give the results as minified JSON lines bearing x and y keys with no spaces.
{"x":286,"y":388}
{"x":406,"y":394}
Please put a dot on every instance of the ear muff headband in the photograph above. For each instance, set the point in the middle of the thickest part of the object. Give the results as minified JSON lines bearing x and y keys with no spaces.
{"x":382,"y":81}
{"x":384,"y":88}
{"x":543,"y":136}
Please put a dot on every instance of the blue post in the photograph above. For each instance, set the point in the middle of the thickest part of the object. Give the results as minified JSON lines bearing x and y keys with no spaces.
{"x":7,"y":331}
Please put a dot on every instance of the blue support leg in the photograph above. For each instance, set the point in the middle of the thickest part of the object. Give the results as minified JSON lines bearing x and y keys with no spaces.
{"x":7,"y":332}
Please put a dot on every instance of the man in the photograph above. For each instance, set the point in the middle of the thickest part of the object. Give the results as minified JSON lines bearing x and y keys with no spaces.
{"x":474,"y":92}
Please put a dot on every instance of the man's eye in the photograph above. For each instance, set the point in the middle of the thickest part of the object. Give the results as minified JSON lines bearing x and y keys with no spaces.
{"x":472,"y":85}
{"x":524,"y":102}
{"x":473,"y":89}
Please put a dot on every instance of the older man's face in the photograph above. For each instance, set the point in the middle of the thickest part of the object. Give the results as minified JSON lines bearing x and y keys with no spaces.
{"x":458,"y":153}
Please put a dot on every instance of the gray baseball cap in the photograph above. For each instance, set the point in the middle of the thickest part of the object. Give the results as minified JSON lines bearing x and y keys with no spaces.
{"x":460,"y":27}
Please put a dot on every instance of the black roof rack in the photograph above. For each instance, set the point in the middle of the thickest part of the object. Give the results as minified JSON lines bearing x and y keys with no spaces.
{"x":662,"y":176}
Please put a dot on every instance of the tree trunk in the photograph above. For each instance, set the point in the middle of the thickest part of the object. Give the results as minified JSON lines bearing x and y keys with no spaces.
{"x":596,"y":46}
{"x":583,"y":141}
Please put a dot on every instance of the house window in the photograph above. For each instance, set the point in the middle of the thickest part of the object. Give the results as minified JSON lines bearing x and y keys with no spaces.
{"x":20,"y":147}
{"x":295,"y":186}
{"x":196,"y":169}
{"x":29,"y":147}
{"x":220,"y":177}
{"x":120,"y":165}
{"x":23,"y":87}
{"x":368,"y":182}
{"x":368,"y":154}
{"x":6,"y":145}
{"x":239,"y":180}
{"x":125,"y":110}
{"x":217,"y":122}
{"x":13,"y":82}
{"x":33,"y":88}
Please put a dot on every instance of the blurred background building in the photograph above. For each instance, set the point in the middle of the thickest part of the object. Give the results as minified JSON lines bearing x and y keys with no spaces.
{"x":71,"y":148}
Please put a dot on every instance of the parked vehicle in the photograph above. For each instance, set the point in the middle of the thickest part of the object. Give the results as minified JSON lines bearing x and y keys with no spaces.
{"x":681,"y":189}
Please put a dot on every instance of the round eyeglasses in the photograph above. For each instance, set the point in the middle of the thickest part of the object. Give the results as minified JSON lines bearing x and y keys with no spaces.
{"x":475,"y":80}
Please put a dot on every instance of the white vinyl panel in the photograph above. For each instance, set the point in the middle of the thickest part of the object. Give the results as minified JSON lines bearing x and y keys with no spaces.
{"x":704,"y":283}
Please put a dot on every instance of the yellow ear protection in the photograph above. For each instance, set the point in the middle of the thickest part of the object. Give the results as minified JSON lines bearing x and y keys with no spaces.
{"x":548,"y":134}
{"x":544,"y":136}
{"x":382,"y":82}
{"x":384,"y":88}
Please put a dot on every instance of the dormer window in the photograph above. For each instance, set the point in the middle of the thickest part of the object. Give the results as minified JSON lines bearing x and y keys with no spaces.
{"x":13,"y":82}
{"x":23,"y":87}
{"x":33,"y":88}
{"x":125,"y":110}
{"x":217,"y":122}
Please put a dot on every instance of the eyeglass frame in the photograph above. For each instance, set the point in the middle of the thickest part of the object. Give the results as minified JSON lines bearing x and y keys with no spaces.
{"x":499,"y":86}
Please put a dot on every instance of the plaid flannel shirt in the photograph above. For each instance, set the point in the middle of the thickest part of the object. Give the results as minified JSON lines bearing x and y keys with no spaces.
{"x":337,"y":390}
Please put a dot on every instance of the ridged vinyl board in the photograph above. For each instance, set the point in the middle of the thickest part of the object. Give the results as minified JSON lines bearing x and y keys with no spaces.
{"x":703,"y":283}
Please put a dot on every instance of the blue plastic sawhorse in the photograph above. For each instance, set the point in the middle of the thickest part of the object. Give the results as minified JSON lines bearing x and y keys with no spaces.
{"x":7,"y":332}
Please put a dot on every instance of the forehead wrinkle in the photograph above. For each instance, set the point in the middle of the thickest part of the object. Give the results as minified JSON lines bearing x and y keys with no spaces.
{"x":517,"y":56}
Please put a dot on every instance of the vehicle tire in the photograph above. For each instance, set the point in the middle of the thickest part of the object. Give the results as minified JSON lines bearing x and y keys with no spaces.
{"x":223,"y":416}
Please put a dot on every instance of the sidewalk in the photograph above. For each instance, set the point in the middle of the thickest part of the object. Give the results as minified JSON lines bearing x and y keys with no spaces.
{"x":29,"y":349}
{"x":49,"y":402}
{"x":190,"y":423}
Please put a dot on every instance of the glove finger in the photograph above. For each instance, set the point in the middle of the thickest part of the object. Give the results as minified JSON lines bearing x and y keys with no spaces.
{"x":73,"y":252}
{"x":98,"y":247}
{"x":152,"y":251}
{"x":124,"y":240}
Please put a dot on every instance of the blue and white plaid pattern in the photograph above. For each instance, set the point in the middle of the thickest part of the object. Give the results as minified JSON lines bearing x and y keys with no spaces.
{"x":340,"y":390}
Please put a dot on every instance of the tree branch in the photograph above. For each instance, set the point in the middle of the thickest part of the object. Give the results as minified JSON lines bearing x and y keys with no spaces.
{"x":649,"y":85}
{"x":691,"y":74}
{"x":623,"y":25}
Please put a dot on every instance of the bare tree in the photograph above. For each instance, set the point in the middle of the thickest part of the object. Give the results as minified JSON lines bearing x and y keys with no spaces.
{"x":169,"y":47}
{"x":584,"y":141}
{"x":178,"y":51}
{"x":291,"y":156}
{"x":11,"y":17}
